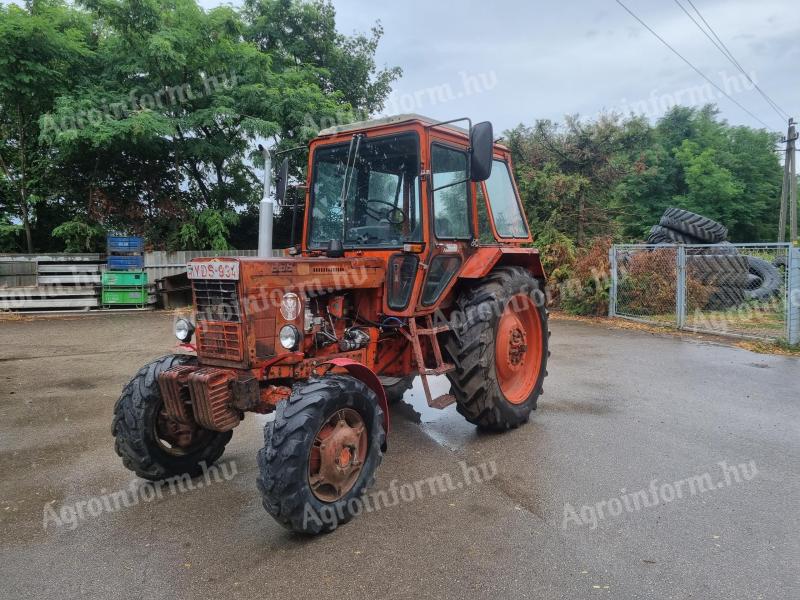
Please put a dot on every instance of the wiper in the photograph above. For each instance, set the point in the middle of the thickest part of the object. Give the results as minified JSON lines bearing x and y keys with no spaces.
{"x":349,"y":168}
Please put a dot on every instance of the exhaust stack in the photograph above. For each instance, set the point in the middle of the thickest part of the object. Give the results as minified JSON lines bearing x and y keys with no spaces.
{"x":266,"y":209}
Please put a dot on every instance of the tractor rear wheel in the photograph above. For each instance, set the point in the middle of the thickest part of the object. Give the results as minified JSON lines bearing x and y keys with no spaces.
{"x":499,"y":345}
{"x":149,"y":443}
{"x":396,"y":391}
{"x":320,"y":454}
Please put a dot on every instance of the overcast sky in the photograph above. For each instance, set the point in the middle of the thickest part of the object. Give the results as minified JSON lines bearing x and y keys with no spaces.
{"x":545,"y":59}
{"x":526,"y":60}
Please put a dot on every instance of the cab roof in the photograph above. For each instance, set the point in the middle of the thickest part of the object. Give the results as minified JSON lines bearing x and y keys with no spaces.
{"x":383,"y":121}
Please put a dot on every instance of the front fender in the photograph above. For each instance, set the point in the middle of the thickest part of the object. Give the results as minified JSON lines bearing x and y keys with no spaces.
{"x":370,"y":379}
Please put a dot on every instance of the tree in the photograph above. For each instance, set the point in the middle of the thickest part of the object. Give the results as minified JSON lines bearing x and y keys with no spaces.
{"x":157,"y":135}
{"x":616,"y":176}
{"x":569,"y":174}
{"x":43,"y":48}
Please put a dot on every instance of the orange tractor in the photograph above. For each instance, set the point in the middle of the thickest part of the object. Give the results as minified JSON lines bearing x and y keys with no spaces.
{"x":414,"y":261}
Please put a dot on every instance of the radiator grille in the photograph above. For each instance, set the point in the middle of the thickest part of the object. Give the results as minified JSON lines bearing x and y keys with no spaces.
{"x":216,"y":300}
{"x":220,"y":340}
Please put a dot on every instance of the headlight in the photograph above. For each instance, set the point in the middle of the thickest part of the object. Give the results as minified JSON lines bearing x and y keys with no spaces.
{"x":289,"y":337}
{"x":290,"y":306}
{"x":184,"y":330}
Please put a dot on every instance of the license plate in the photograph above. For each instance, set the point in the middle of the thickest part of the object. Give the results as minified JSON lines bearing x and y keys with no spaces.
{"x":213,"y":270}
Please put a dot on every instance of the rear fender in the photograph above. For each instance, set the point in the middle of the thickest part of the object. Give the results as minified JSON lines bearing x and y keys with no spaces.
{"x":485,"y":259}
{"x":364,"y":374}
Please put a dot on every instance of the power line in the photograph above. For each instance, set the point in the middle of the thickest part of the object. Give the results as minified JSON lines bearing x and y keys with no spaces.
{"x":698,"y":71}
{"x":720,"y":45}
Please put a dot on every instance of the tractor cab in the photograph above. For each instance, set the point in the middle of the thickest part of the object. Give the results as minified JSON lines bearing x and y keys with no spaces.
{"x":413,"y":191}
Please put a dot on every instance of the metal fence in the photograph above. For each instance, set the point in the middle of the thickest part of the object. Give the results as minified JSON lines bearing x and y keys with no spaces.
{"x":744,"y":290}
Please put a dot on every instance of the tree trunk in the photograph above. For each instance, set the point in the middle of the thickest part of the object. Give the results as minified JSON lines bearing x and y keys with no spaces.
{"x":23,"y":192}
{"x":27,"y":225}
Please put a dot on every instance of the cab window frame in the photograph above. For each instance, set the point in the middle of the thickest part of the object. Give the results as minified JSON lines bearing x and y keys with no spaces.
{"x":507,"y":166}
{"x":431,"y":192}
{"x":312,"y":196}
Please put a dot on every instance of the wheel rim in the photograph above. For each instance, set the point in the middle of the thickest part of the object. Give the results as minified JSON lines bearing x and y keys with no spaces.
{"x":337,"y":455}
{"x":176,"y":438}
{"x":518,"y":349}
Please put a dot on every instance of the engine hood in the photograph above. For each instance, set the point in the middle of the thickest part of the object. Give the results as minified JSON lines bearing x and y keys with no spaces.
{"x":312,"y":273}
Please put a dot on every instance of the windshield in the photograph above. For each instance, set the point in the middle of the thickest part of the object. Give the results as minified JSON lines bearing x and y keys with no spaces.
{"x":379,"y":182}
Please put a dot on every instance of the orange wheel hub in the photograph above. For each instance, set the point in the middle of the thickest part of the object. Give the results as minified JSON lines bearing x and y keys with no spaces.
{"x":518,"y":349}
{"x":337,"y":455}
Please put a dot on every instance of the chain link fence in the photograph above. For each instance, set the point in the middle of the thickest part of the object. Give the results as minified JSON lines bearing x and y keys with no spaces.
{"x":745,"y":290}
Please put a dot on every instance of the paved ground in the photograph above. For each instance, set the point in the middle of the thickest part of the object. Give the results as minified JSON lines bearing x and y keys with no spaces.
{"x":621,"y":408}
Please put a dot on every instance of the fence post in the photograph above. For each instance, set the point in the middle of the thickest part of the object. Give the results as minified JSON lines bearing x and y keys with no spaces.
{"x":793,"y":296}
{"x":680,"y":288}
{"x":612,"y":293}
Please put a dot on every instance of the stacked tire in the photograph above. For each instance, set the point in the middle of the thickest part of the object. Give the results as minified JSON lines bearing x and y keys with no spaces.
{"x":730,"y":277}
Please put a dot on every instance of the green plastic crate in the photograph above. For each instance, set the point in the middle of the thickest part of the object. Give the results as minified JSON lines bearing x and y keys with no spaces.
{"x":118,"y":296}
{"x":125,"y":278}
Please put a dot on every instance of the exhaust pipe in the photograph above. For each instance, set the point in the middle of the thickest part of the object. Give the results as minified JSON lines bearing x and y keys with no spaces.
{"x":266,"y":209}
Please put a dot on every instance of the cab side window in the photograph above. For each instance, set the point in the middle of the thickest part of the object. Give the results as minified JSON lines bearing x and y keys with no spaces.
{"x":508,"y":219}
{"x":450,"y":193}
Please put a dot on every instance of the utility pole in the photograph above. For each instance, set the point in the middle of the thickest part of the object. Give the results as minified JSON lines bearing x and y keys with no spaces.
{"x":789,"y":188}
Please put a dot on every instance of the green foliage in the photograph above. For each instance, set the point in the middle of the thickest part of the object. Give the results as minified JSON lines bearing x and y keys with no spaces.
{"x":615,"y":176}
{"x":209,"y":230}
{"x":43,"y":49}
{"x":144,"y":116}
{"x":10,"y":237}
{"x":586,"y":291}
{"x":79,"y":236}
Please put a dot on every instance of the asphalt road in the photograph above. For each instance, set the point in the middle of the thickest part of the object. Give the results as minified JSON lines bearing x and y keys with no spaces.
{"x":621,"y":409}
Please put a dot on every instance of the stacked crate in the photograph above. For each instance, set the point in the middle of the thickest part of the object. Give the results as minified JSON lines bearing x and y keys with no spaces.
{"x":125,"y":283}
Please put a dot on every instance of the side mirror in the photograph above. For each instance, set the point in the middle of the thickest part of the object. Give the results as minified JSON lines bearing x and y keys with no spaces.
{"x":280,"y":183}
{"x":481,"y":139}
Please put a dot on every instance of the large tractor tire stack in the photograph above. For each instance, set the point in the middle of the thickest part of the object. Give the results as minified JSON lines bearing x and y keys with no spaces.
{"x":733,"y":278}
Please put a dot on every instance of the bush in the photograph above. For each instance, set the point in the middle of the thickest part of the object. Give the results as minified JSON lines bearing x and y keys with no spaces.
{"x":10,"y":237}
{"x":586,"y":290}
{"x":648,"y":283}
{"x":79,"y":236}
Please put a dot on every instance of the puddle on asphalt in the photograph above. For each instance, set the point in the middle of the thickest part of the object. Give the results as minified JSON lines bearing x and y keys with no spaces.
{"x":445,"y":426}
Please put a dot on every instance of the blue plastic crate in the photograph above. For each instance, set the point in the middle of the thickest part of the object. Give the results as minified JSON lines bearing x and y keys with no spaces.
{"x":116,"y":243}
{"x":124,"y":263}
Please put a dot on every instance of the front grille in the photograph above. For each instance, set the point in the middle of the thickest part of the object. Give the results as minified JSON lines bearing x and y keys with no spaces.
{"x":216,"y":300}
{"x":220,"y":340}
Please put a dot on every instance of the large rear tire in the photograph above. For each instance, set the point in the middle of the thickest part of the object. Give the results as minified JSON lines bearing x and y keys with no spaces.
{"x":145,"y":438}
{"x":770,"y":279}
{"x":320,"y":454}
{"x":665,"y":235}
{"x":396,"y":391}
{"x":499,"y":346}
{"x":697,"y":226}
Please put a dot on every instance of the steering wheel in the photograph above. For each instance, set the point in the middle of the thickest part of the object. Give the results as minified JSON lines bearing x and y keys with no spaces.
{"x":395,"y":215}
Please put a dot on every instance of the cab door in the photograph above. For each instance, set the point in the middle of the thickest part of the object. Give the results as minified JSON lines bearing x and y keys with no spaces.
{"x":450,"y":217}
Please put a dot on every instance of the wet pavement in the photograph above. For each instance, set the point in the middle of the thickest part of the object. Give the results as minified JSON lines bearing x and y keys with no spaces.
{"x":598,"y":496}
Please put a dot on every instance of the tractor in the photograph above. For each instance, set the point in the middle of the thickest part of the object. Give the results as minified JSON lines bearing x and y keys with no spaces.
{"x":415,"y":260}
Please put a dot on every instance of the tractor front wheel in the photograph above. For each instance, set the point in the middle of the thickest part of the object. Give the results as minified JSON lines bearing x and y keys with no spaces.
{"x":148,"y":441}
{"x":320,"y":454}
{"x":499,"y":345}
